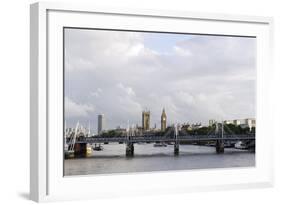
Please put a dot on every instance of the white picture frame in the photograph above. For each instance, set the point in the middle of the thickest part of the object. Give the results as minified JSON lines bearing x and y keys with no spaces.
{"x":47,"y":182}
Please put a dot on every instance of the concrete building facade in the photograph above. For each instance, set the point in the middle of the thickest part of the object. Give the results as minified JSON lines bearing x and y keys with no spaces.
{"x":212,"y":122}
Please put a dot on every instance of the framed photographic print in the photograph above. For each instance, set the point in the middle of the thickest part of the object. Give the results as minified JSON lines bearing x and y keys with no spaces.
{"x":176,"y":100}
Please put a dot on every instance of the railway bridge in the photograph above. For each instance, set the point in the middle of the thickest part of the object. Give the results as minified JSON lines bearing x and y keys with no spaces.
{"x":172,"y":136}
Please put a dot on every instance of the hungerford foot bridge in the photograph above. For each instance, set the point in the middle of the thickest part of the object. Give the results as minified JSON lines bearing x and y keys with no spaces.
{"x":77,"y":144}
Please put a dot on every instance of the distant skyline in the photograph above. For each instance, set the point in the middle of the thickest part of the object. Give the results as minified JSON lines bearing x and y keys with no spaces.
{"x":194,"y":77}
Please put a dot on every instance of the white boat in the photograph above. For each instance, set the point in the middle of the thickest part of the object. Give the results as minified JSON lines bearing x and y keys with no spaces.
{"x":240,"y":145}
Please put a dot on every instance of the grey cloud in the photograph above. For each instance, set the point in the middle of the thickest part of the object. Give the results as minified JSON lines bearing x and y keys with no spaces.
{"x":116,"y":73}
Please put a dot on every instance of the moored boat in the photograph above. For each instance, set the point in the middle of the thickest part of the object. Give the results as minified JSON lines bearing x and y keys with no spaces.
{"x":69,"y":154}
{"x":98,"y":148}
{"x":240,"y":145}
{"x":157,"y":144}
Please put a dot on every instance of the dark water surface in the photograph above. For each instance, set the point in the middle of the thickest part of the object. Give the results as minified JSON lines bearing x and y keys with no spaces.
{"x":148,"y":158}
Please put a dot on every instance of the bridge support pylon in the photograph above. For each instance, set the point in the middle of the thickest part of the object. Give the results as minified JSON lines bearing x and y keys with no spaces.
{"x":219,"y":146}
{"x":80,"y":150}
{"x":176,"y":149}
{"x":129,"y":150}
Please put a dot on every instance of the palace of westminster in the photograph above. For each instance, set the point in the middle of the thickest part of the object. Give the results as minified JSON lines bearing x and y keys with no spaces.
{"x":146,"y":116}
{"x":146,"y":120}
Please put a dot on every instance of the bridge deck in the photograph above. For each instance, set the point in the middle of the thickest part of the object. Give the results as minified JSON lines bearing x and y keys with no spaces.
{"x":151,"y":139}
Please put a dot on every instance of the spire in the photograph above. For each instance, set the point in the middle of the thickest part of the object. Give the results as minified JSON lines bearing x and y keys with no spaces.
{"x":163,"y":120}
{"x":89,"y":129}
{"x":163,"y":112}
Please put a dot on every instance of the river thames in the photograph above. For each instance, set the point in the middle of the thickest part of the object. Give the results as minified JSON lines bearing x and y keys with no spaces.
{"x":148,"y":158}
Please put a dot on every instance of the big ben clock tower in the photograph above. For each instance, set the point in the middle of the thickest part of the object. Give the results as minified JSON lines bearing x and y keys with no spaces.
{"x":163,"y":120}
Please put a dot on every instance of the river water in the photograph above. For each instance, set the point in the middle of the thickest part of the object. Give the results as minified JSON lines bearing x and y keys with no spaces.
{"x":148,"y":158}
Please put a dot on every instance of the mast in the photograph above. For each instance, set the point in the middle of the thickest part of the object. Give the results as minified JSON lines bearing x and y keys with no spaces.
{"x":89,"y":133}
{"x":222,"y":129}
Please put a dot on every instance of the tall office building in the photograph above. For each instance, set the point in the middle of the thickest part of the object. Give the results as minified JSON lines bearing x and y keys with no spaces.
{"x":101,"y":123}
{"x":145,"y":119}
{"x":163,"y":120}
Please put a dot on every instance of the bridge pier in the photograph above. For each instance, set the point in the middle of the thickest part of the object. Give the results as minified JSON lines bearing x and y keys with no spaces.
{"x":219,"y":146}
{"x":80,"y":150}
{"x":129,"y":150}
{"x":176,"y":149}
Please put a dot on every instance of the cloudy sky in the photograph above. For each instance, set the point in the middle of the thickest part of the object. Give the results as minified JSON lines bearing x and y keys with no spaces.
{"x":194,"y":77}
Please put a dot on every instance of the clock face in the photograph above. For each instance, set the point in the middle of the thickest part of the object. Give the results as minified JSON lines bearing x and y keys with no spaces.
{"x":164,"y":119}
